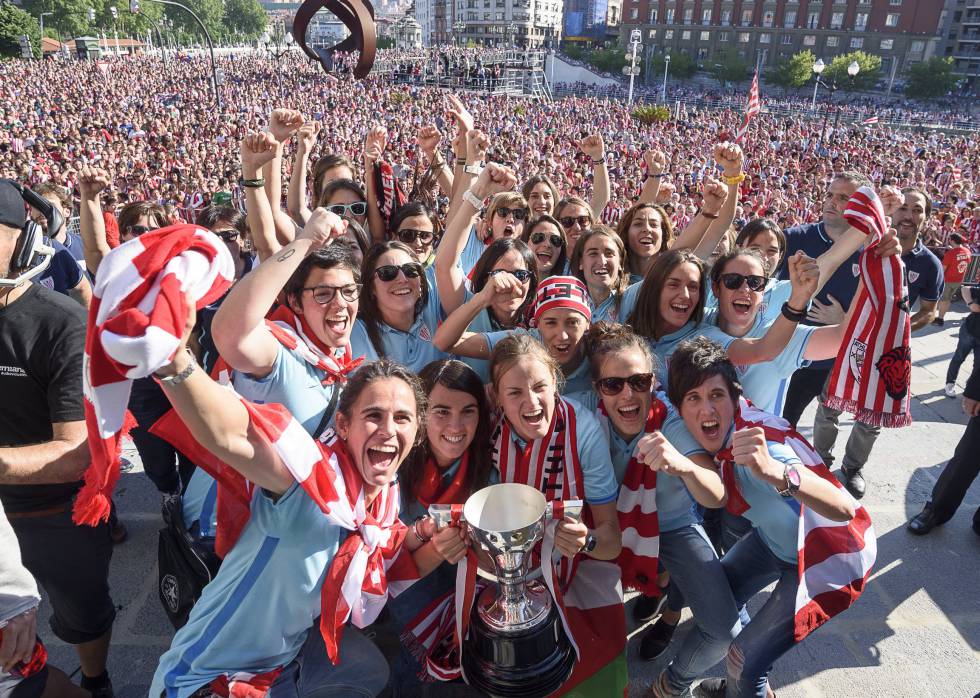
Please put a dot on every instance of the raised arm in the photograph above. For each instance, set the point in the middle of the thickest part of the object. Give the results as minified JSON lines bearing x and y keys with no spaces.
{"x":257,"y":151}
{"x":715,"y":195}
{"x":729,"y":156}
{"x":91,"y":183}
{"x":374,"y":148}
{"x":656,"y":177}
{"x":451,"y":335}
{"x":283,"y":123}
{"x":296,"y":202}
{"x":429,"y":139}
{"x":594,"y":147}
{"x":461,"y":179}
{"x":238,"y":327}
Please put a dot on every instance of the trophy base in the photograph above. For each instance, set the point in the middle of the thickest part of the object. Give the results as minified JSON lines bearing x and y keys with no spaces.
{"x":530,"y":664}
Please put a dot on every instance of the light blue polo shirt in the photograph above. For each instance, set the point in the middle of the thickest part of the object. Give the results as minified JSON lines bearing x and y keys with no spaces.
{"x":776,"y":293}
{"x":199,"y":503}
{"x":474,"y":249}
{"x":579,"y":380}
{"x":256,"y":613}
{"x":606,"y":311}
{"x":414,"y":348}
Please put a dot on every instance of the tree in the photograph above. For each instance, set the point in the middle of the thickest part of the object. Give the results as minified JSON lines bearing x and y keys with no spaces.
{"x":930,"y":79}
{"x":211,"y":13}
{"x":14,"y":23}
{"x":245,"y":18}
{"x":729,"y":67}
{"x":681,"y":65}
{"x":793,"y":72}
{"x":836,"y":72}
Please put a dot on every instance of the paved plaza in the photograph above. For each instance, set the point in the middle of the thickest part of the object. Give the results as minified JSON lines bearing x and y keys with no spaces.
{"x":915,"y":632}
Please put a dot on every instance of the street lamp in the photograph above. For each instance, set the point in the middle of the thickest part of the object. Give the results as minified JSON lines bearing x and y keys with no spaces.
{"x":459,"y":27}
{"x":43,"y":15}
{"x":663,"y":96}
{"x":277,"y":45}
{"x":853,"y":69}
{"x":818,"y":68}
{"x":636,"y":41}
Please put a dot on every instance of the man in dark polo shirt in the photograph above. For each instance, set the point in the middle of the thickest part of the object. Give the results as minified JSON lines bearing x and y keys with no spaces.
{"x":924,"y":276}
{"x":43,"y":454}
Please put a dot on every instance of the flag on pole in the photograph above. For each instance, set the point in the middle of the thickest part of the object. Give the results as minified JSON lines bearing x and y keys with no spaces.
{"x":752,"y":109}
{"x":870,"y":121}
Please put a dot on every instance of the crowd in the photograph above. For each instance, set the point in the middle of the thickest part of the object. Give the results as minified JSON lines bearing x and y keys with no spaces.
{"x":325,"y":307}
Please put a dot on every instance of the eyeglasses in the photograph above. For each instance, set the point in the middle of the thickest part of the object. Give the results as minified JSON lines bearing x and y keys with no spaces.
{"x":734,"y":281}
{"x":639,"y":383}
{"x":229,"y":235}
{"x":408,"y":236}
{"x":554,"y":239}
{"x":518,"y":213}
{"x":569,"y":221}
{"x":522,"y":275}
{"x":388,"y":272}
{"x":358,"y":208}
{"x":325,"y":294}
{"x":137,"y":230}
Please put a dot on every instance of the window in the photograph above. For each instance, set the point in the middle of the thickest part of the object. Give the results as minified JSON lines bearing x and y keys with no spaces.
{"x":705,"y":36}
{"x":653,"y":15}
{"x":747,"y":17}
{"x":702,"y":54}
{"x":786,"y":39}
{"x":917,"y":46}
{"x":726,"y":18}
{"x":765,"y":38}
{"x":705,"y":16}
{"x":809,"y":40}
{"x":837,"y":20}
{"x":891,"y":19}
{"x":652,"y":34}
{"x":895,"y":3}
{"x":668,"y":34}
{"x":669,"y":19}
{"x":861,"y":21}
{"x":723,"y":37}
{"x":813,"y":20}
{"x":768,"y":18}
{"x":857,"y":42}
{"x":887,"y":44}
{"x":833,"y":41}
{"x":789,"y":19}
{"x":743,"y":37}
{"x":634,"y":13}
{"x":688,"y":15}
{"x":686,"y":35}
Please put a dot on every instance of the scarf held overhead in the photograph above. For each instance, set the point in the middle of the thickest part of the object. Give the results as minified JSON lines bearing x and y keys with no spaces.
{"x":136,"y":321}
{"x":835,"y":558}
{"x":874,"y":366}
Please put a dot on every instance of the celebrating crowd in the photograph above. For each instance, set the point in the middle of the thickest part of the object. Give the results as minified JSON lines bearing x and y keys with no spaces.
{"x":330,"y":305}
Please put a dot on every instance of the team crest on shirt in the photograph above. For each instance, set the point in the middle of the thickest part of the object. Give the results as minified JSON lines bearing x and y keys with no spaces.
{"x":856,"y":269}
{"x":855,"y":358}
{"x":170,"y":592}
{"x":913,"y":276}
{"x":424,"y":333}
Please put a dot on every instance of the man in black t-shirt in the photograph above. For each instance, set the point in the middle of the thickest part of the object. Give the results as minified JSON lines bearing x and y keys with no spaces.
{"x":43,"y":455}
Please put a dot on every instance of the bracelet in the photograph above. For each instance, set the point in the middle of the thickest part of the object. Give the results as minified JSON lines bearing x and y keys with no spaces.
{"x":709,"y":216}
{"x":474,"y":169}
{"x":473,"y":200}
{"x":792,"y":314}
{"x":252,"y":183}
{"x":179,"y":378}
{"x":600,"y":161}
{"x":460,"y":161}
{"x":415,"y":530}
{"x":737,"y":179}
{"x":654,"y":176}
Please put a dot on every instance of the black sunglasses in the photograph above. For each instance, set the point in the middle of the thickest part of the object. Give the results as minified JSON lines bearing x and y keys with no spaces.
{"x":388,"y":272}
{"x":640,"y":383}
{"x":522,"y":275}
{"x":358,"y":208}
{"x":518,"y":213}
{"x":325,"y":294}
{"x":734,"y":281}
{"x":569,"y":221}
{"x":408,"y":236}
{"x":554,"y":239}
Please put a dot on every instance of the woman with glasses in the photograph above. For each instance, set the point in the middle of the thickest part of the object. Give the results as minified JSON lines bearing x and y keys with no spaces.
{"x":545,"y":237}
{"x":645,"y":433}
{"x":399,"y":312}
{"x":575,"y":217}
{"x":599,"y":260}
{"x":345,"y":198}
{"x":418,"y":227}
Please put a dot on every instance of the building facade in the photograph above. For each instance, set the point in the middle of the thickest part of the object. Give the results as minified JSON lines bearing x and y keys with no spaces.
{"x":498,"y":22}
{"x":961,"y":32}
{"x":900,"y":31}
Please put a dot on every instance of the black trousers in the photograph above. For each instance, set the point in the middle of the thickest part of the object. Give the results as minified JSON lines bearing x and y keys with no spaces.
{"x":805,"y":385}
{"x":958,"y":475}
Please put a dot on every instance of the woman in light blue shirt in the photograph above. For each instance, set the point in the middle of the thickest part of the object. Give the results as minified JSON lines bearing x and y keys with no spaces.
{"x":599,"y":261}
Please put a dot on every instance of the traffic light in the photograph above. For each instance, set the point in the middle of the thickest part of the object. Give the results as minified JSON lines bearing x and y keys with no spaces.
{"x":134,"y":6}
{"x":114,"y":12}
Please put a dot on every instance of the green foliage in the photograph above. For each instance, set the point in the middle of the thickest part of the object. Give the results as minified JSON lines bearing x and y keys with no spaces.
{"x":69,"y":18}
{"x":245,"y":18}
{"x":386,"y":42}
{"x":836,"y":72}
{"x":681,"y":65}
{"x":729,"y":67}
{"x":211,"y":13}
{"x":794,"y":72}
{"x":650,"y":113}
{"x":930,"y":79}
{"x":14,"y":23}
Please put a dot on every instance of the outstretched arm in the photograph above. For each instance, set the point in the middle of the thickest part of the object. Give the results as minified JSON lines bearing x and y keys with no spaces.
{"x":296,"y":204}
{"x":715,"y":195}
{"x":95,"y":246}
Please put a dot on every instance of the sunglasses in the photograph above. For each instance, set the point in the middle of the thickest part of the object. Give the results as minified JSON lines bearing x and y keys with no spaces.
{"x":325,"y":294}
{"x":518,"y":213}
{"x":388,"y":272}
{"x":137,"y":230}
{"x":522,"y":275}
{"x":639,"y":383}
{"x":408,"y":236}
{"x":554,"y":239}
{"x":358,"y":208}
{"x":569,"y":221}
{"x":229,"y":235}
{"x":734,"y":281}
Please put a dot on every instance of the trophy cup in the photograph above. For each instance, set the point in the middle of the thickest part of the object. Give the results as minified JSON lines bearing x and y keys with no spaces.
{"x":516,"y":645}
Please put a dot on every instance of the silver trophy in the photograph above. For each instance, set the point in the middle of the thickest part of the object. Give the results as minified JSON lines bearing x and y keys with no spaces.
{"x":517,"y":644}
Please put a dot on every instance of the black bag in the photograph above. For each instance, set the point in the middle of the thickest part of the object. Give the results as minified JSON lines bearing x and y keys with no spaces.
{"x":186,"y":564}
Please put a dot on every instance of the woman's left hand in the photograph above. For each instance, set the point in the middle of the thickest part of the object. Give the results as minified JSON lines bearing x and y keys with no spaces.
{"x":570,"y":537}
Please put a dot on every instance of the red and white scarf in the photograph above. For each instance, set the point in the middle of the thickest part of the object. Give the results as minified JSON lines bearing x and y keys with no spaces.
{"x":430,"y":489}
{"x":835,"y":558}
{"x":637,"y":509}
{"x":136,"y":321}
{"x":874,"y":366}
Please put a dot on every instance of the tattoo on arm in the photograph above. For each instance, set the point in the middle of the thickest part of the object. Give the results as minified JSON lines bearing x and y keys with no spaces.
{"x":285,"y":255}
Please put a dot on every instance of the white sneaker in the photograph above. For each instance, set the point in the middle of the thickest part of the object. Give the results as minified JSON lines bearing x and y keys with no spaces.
{"x":950,"y":390}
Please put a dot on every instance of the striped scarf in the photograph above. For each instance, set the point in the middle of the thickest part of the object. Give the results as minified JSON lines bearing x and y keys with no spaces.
{"x":874,"y":366}
{"x":835,"y":558}
{"x":136,"y":321}
{"x":637,"y":509}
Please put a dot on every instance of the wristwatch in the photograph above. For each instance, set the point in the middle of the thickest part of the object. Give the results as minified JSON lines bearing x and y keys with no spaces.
{"x":792,"y":477}
{"x":590,"y":543}
{"x":179,"y":378}
{"x":473,"y":169}
{"x":473,"y":200}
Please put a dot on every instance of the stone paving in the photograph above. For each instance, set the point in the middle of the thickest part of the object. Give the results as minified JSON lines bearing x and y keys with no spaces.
{"x":914,"y":633}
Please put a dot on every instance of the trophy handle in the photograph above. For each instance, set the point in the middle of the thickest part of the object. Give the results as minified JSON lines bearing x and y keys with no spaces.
{"x":446,"y":514}
{"x":571,"y":508}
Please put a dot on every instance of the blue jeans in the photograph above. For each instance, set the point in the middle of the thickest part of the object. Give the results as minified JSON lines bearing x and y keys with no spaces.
{"x":750,"y":567}
{"x":361,"y":673}
{"x":966,"y":344}
{"x":696,"y":571}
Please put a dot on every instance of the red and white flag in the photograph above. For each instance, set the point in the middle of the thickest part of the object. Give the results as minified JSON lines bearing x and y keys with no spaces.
{"x":835,"y":557}
{"x":870,"y":121}
{"x":752,"y":109}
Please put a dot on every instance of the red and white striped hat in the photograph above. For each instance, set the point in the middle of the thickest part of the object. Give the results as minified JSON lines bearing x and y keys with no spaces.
{"x":562,"y":292}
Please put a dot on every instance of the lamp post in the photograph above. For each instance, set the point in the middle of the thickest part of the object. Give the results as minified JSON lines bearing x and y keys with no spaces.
{"x":41,"y":18}
{"x":818,"y":68}
{"x":636,"y":37}
{"x":207,"y":36}
{"x":277,"y":45}
{"x":459,"y":27}
{"x":663,"y":95}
